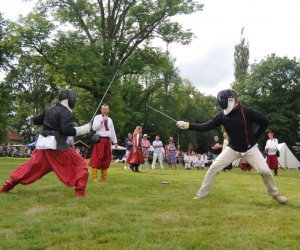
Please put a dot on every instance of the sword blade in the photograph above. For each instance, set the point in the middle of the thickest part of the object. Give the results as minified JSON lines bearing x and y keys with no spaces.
{"x":162,"y":113}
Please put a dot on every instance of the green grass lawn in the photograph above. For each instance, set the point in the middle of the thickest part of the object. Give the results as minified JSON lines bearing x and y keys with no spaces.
{"x":135,"y":211}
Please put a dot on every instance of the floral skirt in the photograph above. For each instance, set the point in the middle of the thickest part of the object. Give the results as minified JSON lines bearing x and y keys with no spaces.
{"x":172,"y":157}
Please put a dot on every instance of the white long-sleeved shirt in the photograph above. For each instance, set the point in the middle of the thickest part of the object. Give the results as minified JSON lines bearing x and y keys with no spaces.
{"x":98,"y":126}
{"x":271,"y":146}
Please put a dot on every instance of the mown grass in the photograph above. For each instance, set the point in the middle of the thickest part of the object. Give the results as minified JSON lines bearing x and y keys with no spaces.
{"x":135,"y":211}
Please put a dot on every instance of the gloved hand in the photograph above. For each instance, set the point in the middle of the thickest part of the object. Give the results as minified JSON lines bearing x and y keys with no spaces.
{"x":183,"y":125}
{"x":82,"y":130}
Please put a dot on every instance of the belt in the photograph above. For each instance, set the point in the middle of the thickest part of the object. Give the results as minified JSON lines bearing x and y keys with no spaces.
{"x":46,"y":133}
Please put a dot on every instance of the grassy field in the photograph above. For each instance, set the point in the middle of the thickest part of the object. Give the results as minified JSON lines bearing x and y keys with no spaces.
{"x":135,"y":211}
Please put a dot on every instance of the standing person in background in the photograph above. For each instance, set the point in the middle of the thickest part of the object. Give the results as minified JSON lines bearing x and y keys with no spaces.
{"x":216,"y":148}
{"x":146,"y":149}
{"x":128,"y":144}
{"x":135,"y":157}
{"x":271,"y":148}
{"x":158,"y":152}
{"x":244,"y":165}
{"x":238,"y":122}
{"x":171,"y":156}
{"x":101,"y":155}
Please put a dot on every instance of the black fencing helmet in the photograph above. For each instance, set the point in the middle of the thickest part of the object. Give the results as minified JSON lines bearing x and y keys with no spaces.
{"x":224,"y":95}
{"x":68,"y":94}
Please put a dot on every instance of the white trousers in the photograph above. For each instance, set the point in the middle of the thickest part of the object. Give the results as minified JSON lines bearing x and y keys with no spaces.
{"x":160,"y":159}
{"x":253,"y":156}
{"x":146,"y":163}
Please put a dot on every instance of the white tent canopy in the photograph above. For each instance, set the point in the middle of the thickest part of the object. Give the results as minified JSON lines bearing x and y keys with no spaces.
{"x":287,"y":159}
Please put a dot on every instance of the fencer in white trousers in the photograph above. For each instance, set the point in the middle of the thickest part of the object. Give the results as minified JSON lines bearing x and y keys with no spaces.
{"x":238,"y":122}
{"x":228,"y":155}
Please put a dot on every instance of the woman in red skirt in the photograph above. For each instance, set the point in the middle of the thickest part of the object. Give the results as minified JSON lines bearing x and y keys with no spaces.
{"x":135,"y":157}
{"x":271,"y":148}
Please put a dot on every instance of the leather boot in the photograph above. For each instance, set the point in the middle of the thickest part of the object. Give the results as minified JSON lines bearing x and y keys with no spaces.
{"x":80,"y":185}
{"x":8,"y":185}
{"x":104,"y":174}
{"x":94,"y":175}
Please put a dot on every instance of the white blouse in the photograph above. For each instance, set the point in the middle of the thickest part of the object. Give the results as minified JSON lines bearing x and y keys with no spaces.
{"x":271,"y":146}
{"x":98,"y":126}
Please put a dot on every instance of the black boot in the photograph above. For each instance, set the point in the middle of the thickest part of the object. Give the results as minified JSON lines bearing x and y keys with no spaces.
{"x":136,"y":168}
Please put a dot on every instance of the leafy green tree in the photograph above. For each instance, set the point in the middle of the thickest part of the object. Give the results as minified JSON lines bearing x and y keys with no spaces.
{"x":32,"y":91}
{"x":100,"y":37}
{"x":297,"y":143}
{"x":5,"y":101}
{"x":4,"y":89}
{"x":273,"y":87}
{"x":241,"y":59}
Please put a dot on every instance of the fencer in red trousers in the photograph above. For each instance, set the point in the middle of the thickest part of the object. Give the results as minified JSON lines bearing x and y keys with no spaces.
{"x":52,"y":151}
{"x":101,"y":155}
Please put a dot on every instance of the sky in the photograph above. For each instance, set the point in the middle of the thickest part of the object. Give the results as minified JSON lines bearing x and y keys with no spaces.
{"x":270,"y":26}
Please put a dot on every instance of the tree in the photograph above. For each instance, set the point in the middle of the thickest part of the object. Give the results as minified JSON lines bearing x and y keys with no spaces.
{"x":102,"y":37}
{"x":273,"y":87}
{"x":32,"y":91}
{"x":297,"y":143}
{"x":241,"y":59}
{"x":4,"y":89}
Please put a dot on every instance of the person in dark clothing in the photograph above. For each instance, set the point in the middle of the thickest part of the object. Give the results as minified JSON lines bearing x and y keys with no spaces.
{"x":238,"y":123}
{"x":216,"y":148}
{"x":52,"y":152}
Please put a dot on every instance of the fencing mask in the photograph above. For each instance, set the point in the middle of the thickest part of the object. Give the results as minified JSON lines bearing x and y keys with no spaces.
{"x":68,"y":94}
{"x":227,"y":99}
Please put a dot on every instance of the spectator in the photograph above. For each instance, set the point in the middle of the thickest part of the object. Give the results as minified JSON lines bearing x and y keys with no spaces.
{"x":158,"y":152}
{"x":146,"y":149}
{"x":244,"y":165}
{"x":135,"y":157}
{"x":171,"y":155}
{"x":216,"y":148}
{"x":128,"y":144}
{"x":271,"y":148}
{"x":199,"y":162}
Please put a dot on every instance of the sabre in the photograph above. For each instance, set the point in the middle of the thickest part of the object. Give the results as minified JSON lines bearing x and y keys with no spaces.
{"x":162,"y":113}
{"x":104,"y":95}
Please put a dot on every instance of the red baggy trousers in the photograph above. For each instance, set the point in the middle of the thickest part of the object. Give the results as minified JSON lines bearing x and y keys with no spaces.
{"x":68,"y":165}
{"x":101,"y":155}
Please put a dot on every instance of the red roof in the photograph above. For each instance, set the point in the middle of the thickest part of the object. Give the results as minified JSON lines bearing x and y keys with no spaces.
{"x":13,"y":135}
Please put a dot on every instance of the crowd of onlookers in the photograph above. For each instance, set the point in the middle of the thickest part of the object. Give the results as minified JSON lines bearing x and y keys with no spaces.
{"x":15,"y":151}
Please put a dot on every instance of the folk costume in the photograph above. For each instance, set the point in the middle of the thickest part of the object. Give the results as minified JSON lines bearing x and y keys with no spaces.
{"x":135,"y":157}
{"x":244,"y":165}
{"x":271,"y":148}
{"x":146,"y":145}
{"x":52,"y":152}
{"x":238,"y":123}
{"x":102,"y":152}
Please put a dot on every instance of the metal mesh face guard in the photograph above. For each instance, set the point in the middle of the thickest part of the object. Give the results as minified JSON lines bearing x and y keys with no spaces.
{"x":68,"y":94}
{"x":223,"y":97}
